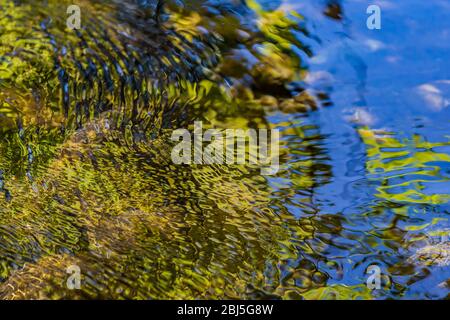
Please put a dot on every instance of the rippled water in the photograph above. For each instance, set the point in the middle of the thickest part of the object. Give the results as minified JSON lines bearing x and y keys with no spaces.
{"x":87,"y":178}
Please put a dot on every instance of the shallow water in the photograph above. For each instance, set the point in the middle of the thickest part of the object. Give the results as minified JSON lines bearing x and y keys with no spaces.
{"x":85,"y":147}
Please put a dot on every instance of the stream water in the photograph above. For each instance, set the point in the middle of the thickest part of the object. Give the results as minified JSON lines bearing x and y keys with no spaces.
{"x":86,"y":177}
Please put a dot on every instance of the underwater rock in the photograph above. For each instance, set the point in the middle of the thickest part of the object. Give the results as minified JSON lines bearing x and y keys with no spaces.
{"x":434,"y":250}
{"x":432,"y":255}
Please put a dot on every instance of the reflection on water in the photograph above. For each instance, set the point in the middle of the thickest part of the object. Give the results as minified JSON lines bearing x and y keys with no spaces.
{"x":87,"y":177}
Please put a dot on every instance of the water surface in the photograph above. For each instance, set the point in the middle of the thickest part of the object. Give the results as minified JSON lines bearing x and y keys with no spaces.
{"x":86,"y":176}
